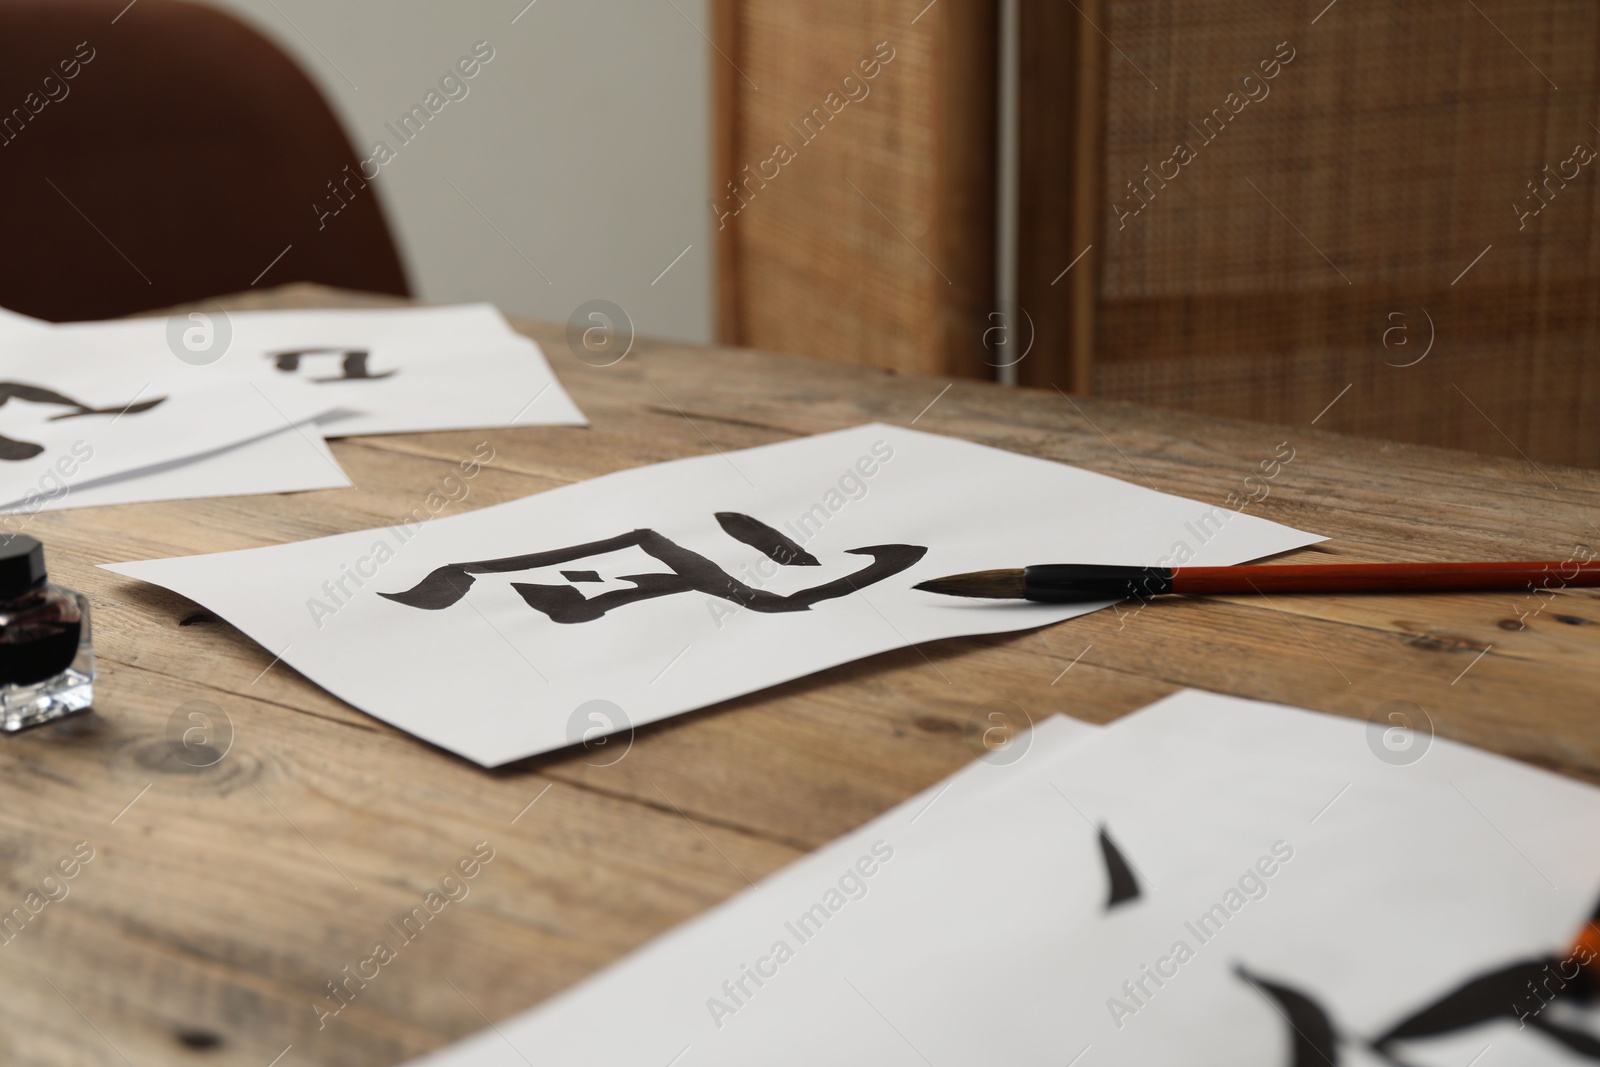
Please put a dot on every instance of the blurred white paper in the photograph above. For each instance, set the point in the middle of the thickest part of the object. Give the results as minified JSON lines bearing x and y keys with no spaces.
{"x":1325,"y":894}
{"x":1316,"y":889}
{"x":815,"y":907}
{"x":12,"y":322}
{"x":59,"y":430}
{"x":292,"y":459}
{"x":676,"y":586}
{"x":400,"y":370}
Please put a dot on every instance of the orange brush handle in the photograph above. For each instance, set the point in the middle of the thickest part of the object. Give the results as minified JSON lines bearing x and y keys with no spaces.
{"x":1384,"y":577}
{"x":1588,"y":947}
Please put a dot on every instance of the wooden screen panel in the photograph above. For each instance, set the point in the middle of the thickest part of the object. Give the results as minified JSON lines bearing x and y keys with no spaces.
{"x":865,"y":235}
{"x":1316,"y":227}
{"x":1060,"y":124}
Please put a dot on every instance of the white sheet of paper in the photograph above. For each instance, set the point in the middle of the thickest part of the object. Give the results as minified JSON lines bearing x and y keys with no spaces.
{"x":1405,"y":882}
{"x":495,"y":679}
{"x":134,"y":424}
{"x":1388,"y":887}
{"x":12,"y":322}
{"x":727,"y":941}
{"x":293,"y":459}
{"x":402,"y":370}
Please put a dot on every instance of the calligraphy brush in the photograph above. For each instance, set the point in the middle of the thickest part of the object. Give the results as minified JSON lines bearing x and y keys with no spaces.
{"x":1071,"y":582}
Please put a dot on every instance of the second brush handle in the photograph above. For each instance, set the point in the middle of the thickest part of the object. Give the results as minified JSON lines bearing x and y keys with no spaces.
{"x":1383,"y":577}
{"x":1083,"y":582}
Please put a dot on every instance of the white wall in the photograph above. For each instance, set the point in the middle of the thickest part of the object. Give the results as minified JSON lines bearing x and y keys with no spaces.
{"x":586,"y":140}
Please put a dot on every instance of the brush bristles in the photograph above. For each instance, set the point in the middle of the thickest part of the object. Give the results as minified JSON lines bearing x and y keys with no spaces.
{"x":989,"y":585}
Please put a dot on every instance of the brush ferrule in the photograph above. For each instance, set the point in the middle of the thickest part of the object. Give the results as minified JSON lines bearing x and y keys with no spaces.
{"x":1073,"y":582}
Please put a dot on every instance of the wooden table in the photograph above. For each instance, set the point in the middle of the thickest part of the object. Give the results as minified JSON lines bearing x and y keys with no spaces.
{"x":222,"y":899}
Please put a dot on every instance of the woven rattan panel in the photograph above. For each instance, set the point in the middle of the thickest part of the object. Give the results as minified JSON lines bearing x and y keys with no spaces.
{"x":846,"y":243}
{"x":1325,"y":225}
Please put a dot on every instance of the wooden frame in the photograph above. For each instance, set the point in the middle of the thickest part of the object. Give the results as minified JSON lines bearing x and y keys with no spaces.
{"x":823,"y":269}
{"x":724,"y":151}
{"x":968,"y":78}
{"x":1060,"y":141}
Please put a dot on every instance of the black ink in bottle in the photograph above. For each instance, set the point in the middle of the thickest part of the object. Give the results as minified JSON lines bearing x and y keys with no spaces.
{"x":46,"y":661}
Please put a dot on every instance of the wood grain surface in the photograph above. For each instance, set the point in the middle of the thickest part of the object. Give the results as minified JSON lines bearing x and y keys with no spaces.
{"x":222,"y":899}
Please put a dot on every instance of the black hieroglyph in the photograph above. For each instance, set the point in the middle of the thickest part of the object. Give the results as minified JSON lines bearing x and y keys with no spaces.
{"x":11,"y":449}
{"x":1313,"y":1042}
{"x":1121,"y":885}
{"x":1520,"y":991}
{"x":352,"y":363}
{"x":689,"y":572}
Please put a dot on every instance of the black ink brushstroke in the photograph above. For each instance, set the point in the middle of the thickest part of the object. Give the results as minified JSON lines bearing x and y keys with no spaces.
{"x":1478,"y":1000}
{"x":758,"y":535}
{"x":12,"y":449}
{"x":1518,"y":991}
{"x":1583,"y":1044}
{"x":131,"y":409}
{"x":444,"y":586}
{"x":564,"y":604}
{"x":1506,"y":993}
{"x":353,"y":366}
{"x":689,"y":572}
{"x":582,"y":576}
{"x":1122,"y":885}
{"x":1312,"y":1041}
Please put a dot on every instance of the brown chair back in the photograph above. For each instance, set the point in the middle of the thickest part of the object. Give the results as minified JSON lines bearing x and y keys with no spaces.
{"x":163,"y":152}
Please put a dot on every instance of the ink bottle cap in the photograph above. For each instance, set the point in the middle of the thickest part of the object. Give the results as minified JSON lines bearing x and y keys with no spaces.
{"x":46,"y":658}
{"x":21,"y":565}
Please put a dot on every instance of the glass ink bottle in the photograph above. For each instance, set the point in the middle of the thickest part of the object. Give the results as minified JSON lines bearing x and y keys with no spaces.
{"x":46,"y":660}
